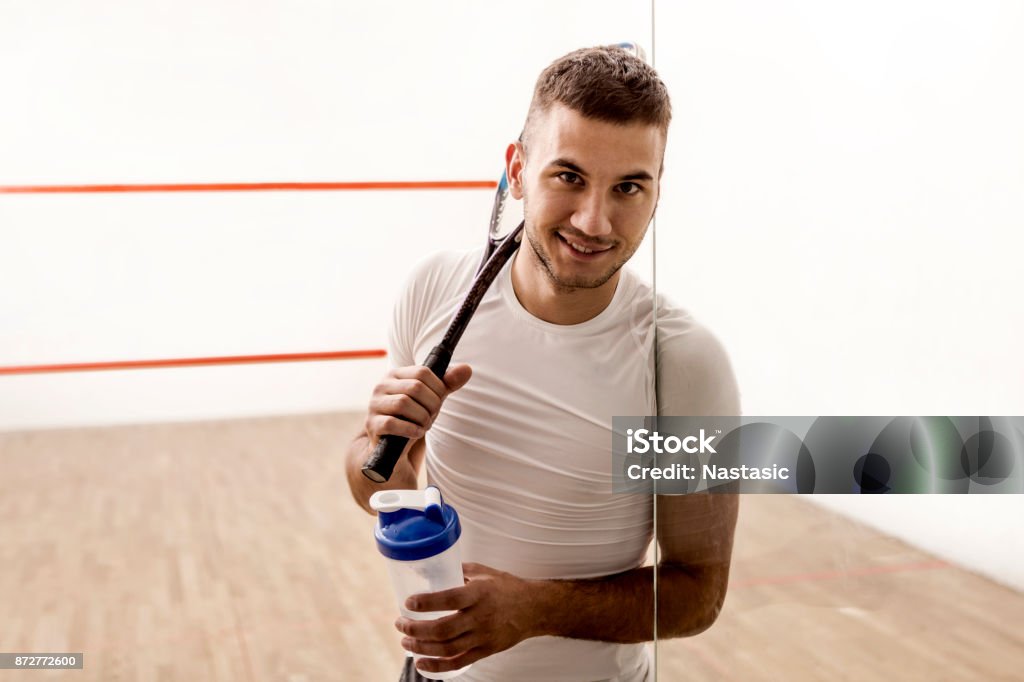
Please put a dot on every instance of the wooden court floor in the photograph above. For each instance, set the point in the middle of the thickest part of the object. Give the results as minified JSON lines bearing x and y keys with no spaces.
{"x":231,"y":551}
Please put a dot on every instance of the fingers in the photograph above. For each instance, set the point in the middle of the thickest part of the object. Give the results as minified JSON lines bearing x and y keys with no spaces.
{"x":453,"y":647}
{"x":406,"y":407}
{"x":382,"y":425}
{"x":457,"y":376}
{"x":441,"y":629}
{"x":485,"y":616}
{"x":454,"y":379}
{"x":406,"y":402}
{"x":451,"y":638}
{"x":423,"y":375}
{"x":441,"y":665}
{"x":445,"y":600}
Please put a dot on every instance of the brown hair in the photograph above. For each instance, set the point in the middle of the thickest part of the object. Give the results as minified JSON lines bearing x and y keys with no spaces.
{"x":605,"y":83}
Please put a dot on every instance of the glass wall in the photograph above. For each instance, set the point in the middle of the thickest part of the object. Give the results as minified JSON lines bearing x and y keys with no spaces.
{"x":837,"y":213}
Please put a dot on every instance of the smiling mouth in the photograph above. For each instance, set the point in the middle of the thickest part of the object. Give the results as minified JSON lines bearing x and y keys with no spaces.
{"x":580,"y":247}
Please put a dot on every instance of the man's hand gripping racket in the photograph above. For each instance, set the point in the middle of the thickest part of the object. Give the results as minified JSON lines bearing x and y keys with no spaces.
{"x":502,"y":242}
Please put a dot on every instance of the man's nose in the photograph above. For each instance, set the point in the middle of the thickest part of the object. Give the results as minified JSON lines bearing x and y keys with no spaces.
{"x":591,"y":215}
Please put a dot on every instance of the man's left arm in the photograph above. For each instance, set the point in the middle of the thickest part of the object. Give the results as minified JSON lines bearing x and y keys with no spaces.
{"x":496,"y":610}
{"x":695,"y":534}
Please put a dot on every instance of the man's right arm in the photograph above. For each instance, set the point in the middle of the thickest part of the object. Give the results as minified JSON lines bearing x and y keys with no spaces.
{"x":405,"y":403}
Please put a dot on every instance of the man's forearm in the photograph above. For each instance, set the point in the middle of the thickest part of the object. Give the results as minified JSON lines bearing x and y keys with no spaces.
{"x":403,"y":478}
{"x":620,"y":608}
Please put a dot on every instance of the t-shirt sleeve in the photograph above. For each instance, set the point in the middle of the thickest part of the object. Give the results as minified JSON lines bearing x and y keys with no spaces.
{"x":403,"y":327}
{"x":695,"y":376}
{"x":432,"y":284}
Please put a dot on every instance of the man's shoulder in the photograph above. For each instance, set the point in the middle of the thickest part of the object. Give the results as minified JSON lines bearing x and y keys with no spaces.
{"x":678,"y":328}
{"x":695,"y":373}
{"x":446,"y":264}
{"x":441,"y":275}
{"x":431,"y":288}
{"x":682,"y":337}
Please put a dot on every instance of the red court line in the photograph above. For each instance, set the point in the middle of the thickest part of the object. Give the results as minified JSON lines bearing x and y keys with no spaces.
{"x":250,"y":187}
{"x":833,"y":575}
{"x":193,"y":362}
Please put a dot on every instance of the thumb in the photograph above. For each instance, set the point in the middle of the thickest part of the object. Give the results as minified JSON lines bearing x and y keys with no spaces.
{"x":457,"y":376}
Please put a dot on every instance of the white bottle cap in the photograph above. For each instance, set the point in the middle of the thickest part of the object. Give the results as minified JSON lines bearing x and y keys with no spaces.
{"x":393,"y":500}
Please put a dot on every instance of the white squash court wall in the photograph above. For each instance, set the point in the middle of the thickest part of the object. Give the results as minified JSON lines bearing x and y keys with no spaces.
{"x":126,"y":92}
{"x":842,"y":204}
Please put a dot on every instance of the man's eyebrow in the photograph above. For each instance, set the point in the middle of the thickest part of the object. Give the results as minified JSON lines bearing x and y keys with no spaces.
{"x":566,"y":163}
{"x":635,"y":175}
{"x":638,"y":175}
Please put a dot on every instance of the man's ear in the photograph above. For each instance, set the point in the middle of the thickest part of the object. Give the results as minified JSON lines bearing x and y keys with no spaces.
{"x":514,"y":163}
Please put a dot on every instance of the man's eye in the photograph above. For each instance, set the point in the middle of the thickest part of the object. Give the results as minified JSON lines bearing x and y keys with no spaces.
{"x":570,"y":177}
{"x":629,"y":188}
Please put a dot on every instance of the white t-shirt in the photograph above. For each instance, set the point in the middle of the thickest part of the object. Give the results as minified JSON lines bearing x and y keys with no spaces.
{"x":523,"y":451}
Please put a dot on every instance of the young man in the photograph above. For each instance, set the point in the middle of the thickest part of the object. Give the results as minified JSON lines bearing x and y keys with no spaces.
{"x":563,"y":341}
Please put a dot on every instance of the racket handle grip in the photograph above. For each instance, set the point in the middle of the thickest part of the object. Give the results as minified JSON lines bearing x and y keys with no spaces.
{"x":437,"y":361}
{"x":381,"y":463}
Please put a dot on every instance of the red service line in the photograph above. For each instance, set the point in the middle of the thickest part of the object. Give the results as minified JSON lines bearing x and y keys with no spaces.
{"x":193,"y":362}
{"x":250,"y":187}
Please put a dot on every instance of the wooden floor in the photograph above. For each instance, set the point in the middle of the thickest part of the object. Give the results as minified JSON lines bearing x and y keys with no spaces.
{"x":231,"y":551}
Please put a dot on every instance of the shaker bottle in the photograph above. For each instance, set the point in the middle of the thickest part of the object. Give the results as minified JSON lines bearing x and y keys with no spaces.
{"x":418,"y":534}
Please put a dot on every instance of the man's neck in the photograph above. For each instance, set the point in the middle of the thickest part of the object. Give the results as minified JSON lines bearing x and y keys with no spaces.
{"x":544,"y":300}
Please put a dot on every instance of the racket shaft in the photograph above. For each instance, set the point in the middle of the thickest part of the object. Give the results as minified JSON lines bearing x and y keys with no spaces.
{"x":480,"y":286}
{"x":381,"y":463}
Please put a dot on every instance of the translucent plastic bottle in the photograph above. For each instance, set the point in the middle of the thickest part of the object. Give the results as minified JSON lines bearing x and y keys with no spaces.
{"x":418,"y":534}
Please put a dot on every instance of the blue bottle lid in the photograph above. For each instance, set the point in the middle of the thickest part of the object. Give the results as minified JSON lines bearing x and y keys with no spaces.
{"x":414,"y":524}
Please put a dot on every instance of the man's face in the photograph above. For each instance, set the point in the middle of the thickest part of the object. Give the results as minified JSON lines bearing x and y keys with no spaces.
{"x":589,"y":190}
